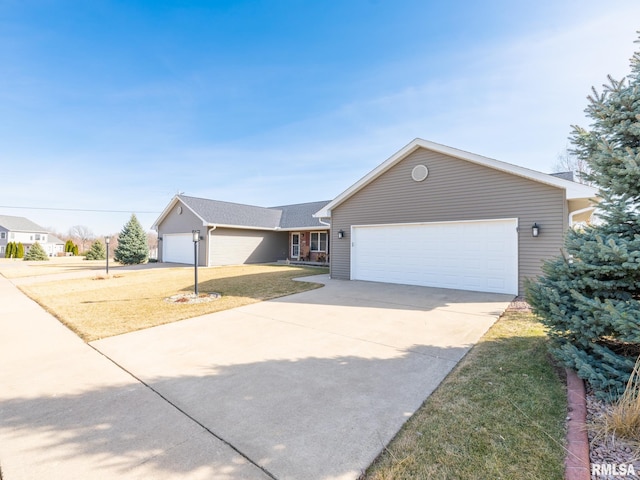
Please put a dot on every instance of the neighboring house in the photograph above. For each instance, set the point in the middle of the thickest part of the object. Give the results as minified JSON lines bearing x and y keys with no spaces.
{"x":233,"y":233}
{"x":437,"y":216}
{"x":23,"y":230}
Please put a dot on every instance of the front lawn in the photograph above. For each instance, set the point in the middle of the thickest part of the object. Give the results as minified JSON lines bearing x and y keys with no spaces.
{"x":500,"y":414}
{"x":99,"y":307}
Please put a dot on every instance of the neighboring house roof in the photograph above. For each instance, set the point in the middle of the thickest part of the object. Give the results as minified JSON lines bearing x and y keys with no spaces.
{"x":573,"y":190}
{"x":20,"y":224}
{"x":237,"y":215}
{"x":565,"y":175}
{"x":55,"y":240}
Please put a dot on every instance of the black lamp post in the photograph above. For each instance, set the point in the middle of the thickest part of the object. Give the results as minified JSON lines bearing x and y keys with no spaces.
{"x":196,"y":241}
{"x":106,"y":242}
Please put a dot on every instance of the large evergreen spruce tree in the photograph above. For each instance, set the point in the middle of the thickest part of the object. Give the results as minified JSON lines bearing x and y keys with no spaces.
{"x":590,"y":298}
{"x":132,"y":244}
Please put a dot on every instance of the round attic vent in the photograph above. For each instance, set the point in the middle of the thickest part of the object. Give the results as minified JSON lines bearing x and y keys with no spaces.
{"x":419,"y":173}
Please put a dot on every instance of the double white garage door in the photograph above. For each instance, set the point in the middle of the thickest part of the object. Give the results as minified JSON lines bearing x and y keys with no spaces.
{"x":477,"y":255}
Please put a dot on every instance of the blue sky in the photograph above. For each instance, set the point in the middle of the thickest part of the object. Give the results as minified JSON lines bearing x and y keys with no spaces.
{"x":116,"y":106}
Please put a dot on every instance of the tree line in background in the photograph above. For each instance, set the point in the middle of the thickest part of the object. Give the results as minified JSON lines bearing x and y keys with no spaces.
{"x":80,"y":240}
{"x":130,"y":247}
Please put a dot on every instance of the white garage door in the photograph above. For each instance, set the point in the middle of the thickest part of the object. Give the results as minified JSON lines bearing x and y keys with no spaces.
{"x":479,"y":255}
{"x":177,"y":248}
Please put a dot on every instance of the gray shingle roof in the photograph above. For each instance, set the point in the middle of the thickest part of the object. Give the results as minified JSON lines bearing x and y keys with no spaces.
{"x":301,"y":215}
{"x":226,"y":213}
{"x":20,"y":224}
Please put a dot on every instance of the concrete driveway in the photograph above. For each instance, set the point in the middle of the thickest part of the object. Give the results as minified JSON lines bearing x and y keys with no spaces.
{"x":314,"y":385}
{"x":310,"y":386}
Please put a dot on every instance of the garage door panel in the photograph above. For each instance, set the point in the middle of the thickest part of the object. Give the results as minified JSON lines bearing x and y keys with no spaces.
{"x":177,"y":248}
{"x":478,"y":255}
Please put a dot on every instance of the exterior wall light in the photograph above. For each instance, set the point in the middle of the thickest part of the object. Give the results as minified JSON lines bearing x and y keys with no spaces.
{"x":341,"y":234}
{"x":535,"y":230}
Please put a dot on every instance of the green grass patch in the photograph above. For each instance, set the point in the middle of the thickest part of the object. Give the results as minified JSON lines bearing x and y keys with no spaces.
{"x":500,"y":414}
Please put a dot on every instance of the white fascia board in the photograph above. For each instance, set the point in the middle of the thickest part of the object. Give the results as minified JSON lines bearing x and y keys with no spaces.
{"x":573,"y":190}
{"x":240,"y":227}
{"x":321,"y":228}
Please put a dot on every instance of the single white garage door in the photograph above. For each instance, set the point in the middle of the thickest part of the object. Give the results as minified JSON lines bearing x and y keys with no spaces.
{"x":476,"y":255}
{"x":177,"y":248}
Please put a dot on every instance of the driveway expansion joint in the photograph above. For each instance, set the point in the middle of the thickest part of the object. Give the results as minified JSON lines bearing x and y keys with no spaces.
{"x":190,"y":417}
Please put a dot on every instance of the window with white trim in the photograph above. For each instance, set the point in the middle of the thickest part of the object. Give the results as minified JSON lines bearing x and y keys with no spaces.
{"x":318,"y":241}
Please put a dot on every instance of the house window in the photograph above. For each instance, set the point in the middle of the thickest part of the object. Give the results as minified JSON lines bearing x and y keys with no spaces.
{"x":318,"y":241}
{"x":2,"y":250}
{"x":3,"y":235}
{"x":37,"y":236}
{"x":13,"y":235}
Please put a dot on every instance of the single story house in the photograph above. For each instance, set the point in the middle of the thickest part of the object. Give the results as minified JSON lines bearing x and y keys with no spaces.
{"x":233,"y":233}
{"x":22,"y":230}
{"x":437,"y":216}
{"x":429,"y":215}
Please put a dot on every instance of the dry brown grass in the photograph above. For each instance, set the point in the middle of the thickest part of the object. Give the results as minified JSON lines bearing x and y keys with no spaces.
{"x":499,"y":414}
{"x":18,"y":268}
{"x":623,"y":418}
{"x":101,"y":306}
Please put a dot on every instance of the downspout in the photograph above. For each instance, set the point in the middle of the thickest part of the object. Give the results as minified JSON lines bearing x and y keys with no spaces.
{"x":323,"y":222}
{"x":577,"y":212}
{"x":211,"y":229}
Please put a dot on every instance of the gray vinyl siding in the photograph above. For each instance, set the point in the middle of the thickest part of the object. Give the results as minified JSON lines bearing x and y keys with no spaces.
{"x":230,"y":246}
{"x":455,"y":190}
{"x":185,"y":222}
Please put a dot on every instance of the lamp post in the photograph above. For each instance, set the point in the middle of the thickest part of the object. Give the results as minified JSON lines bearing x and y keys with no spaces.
{"x":106,"y":242}
{"x":196,"y":241}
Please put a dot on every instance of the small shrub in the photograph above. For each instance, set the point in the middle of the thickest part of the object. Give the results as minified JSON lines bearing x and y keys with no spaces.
{"x":36,"y":252}
{"x":96,"y":252}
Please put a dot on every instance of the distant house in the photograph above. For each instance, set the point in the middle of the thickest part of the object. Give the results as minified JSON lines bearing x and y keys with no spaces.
{"x":22,"y":230}
{"x":234,"y":233}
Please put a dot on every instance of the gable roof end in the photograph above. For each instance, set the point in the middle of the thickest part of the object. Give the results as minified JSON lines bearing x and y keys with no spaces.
{"x":573,"y":190}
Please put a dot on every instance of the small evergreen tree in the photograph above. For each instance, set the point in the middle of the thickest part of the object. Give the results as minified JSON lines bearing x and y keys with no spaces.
{"x":9,"y":252}
{"x":68,"y":246}
{"x":132,"y":244}
{"x":74,"y":250}
{"x":36,"y":252}
{"x":20,"y":250}
{"x":590,"y":300}
{"x":97,"y":251}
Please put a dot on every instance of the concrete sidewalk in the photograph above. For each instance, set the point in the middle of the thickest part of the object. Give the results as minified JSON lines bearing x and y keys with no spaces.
{"x":67,"y":412}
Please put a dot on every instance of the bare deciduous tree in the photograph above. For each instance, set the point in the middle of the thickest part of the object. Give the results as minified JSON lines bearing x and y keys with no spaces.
{"x":82,"y":234}
{"x":568,"y":162}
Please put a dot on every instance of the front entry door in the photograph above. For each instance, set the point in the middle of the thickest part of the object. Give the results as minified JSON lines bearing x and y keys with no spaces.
{"x":295,"y":245}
